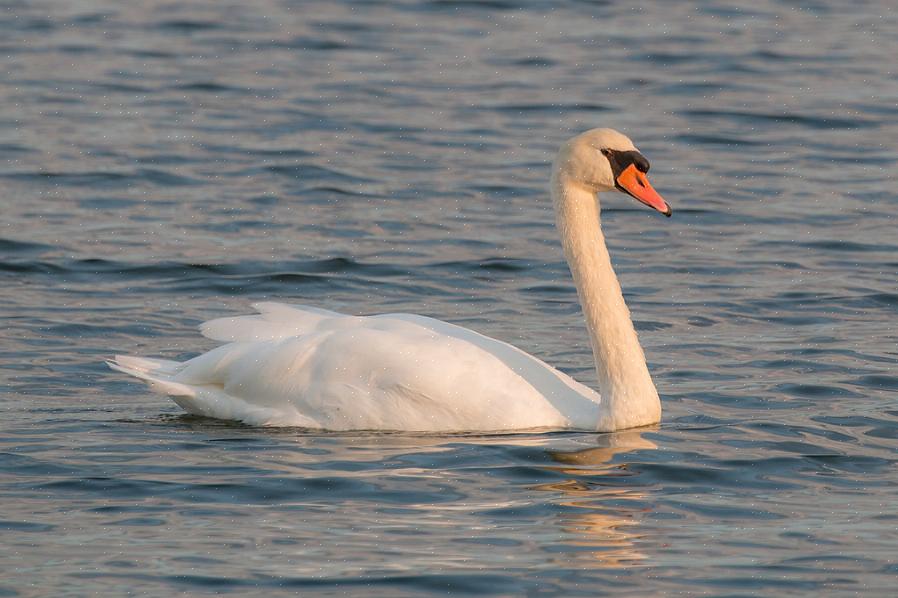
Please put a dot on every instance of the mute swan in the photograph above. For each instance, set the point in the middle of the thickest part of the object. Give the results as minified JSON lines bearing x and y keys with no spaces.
{"x":303,"y":366}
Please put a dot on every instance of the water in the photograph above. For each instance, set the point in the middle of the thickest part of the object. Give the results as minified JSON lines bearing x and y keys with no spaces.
{"x":168,"y":163}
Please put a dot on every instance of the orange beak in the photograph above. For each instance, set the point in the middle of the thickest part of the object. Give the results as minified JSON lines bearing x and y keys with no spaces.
{"x":635,"y":183}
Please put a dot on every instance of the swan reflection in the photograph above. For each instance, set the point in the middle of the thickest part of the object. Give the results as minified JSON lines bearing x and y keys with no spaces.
{"x":601,"y":518}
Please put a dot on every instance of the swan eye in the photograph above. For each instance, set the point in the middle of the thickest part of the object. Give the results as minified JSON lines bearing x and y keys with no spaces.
{"x":605,"y":152}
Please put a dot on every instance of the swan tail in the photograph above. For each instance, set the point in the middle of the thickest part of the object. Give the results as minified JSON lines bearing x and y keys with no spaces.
{"x":205,"y":400}
{"x":274,"y":321}
{"x":158,"y":373}
{"x":198,"y":386}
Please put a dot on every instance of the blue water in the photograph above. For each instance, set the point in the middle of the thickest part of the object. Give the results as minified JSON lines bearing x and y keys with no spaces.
{"x":166,"y":163}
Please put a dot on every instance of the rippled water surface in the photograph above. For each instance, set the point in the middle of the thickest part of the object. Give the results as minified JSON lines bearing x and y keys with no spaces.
{"x":163,"y":163}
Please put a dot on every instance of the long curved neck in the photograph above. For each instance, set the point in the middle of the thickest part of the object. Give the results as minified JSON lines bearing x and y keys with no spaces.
{"x":629,"y":397}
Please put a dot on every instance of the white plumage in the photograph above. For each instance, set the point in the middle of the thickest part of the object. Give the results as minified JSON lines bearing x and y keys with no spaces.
{"x":302,"y":366}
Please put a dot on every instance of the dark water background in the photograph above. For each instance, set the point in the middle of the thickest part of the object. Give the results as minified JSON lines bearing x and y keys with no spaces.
{"x":163,"y":163}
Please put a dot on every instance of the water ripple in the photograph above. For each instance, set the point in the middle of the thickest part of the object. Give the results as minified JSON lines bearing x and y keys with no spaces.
{"x":168,"y":163}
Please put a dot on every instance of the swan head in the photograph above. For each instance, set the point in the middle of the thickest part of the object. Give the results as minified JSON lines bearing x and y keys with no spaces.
{"x":606,"y":160}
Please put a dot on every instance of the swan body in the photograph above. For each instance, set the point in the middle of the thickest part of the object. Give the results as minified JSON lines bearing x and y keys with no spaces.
{"x":303,"y":366}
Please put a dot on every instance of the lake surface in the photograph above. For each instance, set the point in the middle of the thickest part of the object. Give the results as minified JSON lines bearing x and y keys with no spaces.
{"x":168,"y":163}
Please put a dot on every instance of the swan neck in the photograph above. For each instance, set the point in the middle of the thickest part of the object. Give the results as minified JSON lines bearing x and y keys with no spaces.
{"x":629,"y":397}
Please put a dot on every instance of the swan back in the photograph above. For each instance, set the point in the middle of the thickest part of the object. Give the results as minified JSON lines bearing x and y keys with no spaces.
{"x":274,"y":321}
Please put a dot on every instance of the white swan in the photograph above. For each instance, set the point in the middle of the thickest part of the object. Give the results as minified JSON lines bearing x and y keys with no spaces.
{"x":302,"y":366}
